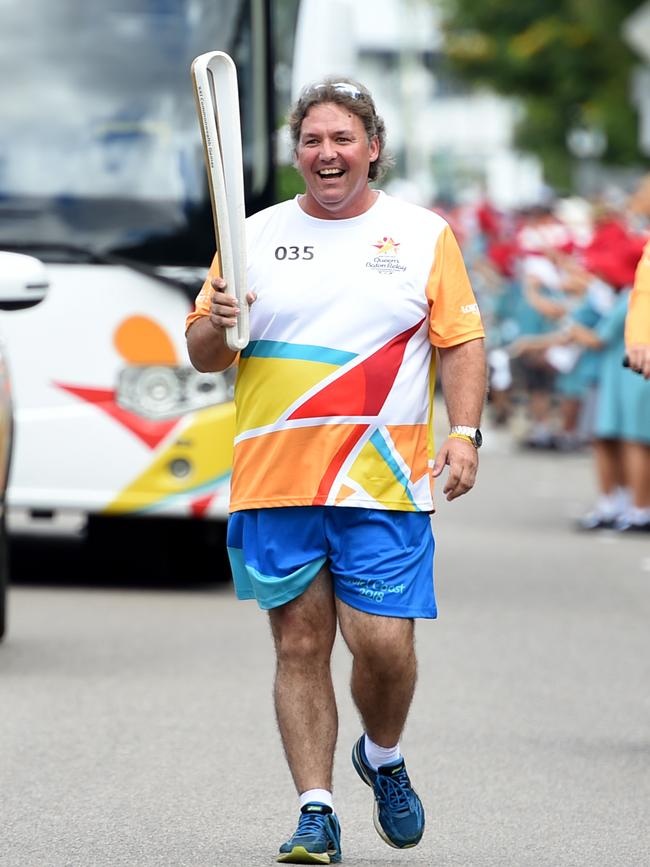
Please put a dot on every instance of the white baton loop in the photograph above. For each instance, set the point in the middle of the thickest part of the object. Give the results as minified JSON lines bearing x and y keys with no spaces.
{"x":217,"y":102}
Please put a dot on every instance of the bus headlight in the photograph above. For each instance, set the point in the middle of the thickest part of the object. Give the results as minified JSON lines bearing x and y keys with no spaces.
{"x":159,"y":391}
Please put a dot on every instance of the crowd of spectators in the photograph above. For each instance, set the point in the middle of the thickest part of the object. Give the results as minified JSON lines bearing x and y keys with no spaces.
{"x":553,"y":283}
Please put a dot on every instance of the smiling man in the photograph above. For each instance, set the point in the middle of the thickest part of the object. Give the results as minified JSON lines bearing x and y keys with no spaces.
{"x":352,"y":293}
{"x":334,"y":155}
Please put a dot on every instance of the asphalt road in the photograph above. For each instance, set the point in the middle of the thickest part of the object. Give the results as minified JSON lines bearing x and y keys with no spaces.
{"x":136,"y":725}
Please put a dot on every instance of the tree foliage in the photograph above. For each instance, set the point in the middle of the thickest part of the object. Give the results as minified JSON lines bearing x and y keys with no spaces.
{"x":564,"y":59}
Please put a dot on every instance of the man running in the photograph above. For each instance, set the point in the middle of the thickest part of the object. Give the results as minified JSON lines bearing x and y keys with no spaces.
{"x":352,"y":293}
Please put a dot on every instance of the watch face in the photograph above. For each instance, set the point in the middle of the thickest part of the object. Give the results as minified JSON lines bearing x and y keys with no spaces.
{"x":478,"y":438}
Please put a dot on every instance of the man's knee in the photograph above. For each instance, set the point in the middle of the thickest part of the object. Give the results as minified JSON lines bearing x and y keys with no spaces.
{"x":386,"y":661}
{"x":295,"y":643}
{"x":381,"y":644}
{"x":303,"y":632}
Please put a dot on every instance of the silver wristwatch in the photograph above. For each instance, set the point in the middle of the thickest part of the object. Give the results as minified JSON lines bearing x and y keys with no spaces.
{"x":472,"y":433}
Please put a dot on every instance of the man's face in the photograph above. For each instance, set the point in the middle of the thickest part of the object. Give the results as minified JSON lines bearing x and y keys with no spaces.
{"x":333,"y":156}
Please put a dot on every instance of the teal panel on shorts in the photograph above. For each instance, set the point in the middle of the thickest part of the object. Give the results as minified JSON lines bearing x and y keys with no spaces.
{"x":270,"y":591}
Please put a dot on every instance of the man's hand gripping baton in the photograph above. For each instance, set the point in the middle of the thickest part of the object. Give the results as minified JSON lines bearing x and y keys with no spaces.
{"x":217,"y":102}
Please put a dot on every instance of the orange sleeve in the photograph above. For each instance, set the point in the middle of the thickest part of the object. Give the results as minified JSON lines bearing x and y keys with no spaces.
{"x":637,"y":322}
{"x":203,"y":299}
{"x":454,"y":315}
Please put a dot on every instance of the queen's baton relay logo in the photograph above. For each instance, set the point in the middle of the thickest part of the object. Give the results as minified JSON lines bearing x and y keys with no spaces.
{"x":386,"y":259}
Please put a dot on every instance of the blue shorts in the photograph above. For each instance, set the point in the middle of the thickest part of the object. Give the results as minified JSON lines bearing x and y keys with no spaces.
{"x":380,"y":561}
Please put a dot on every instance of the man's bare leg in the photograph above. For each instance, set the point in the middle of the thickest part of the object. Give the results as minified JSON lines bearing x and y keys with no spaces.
{"x":384,"y":670}
{"x":304,"y":631}
{"x":383,"y":682}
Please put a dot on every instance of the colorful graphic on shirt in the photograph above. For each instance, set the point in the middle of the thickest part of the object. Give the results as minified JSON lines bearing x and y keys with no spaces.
{"x":363,"y":389}
{"x":358,"y":389}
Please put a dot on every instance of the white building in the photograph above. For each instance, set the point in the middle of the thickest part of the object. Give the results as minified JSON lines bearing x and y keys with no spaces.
{"x":636,"y":32}
{"x":447,"y":142}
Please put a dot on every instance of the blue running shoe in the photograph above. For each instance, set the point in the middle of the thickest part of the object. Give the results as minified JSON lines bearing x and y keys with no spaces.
{"x":399,"y":814}
{"x":317,"y":839}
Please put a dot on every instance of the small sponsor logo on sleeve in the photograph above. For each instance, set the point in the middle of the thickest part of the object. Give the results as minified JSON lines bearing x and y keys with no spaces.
{"x":469,"y":308}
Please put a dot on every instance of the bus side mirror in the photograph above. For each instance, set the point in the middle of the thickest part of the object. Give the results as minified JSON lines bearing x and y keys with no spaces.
{"x":23,"y":281}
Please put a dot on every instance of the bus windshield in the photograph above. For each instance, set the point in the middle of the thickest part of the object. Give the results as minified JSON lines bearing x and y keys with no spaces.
{"x":99,"y":140}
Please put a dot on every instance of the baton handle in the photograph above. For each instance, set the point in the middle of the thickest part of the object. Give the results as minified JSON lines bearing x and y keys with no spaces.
{"x":214,"y":77}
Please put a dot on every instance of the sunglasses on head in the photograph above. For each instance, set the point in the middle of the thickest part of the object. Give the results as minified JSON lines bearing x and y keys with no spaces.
{"x":343,"y":87}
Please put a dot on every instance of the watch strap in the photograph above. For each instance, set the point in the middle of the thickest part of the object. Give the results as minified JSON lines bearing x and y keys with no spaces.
{"x":463,"y":430}
{"x":471,"y":434}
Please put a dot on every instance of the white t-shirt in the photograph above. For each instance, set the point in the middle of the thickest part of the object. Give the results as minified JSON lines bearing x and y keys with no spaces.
{"x":334,"y":391}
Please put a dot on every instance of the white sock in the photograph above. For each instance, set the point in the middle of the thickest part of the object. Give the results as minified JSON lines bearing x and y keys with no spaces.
{"x":377,"y":755}
{"x":609,"y":506}
{"x":623,"y":499}
{"x":638,"y":516}
{"x":318,"y":796}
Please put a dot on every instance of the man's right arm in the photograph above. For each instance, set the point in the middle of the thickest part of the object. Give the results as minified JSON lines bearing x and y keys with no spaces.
{"x":206,"y":341}
{"x":207,"y":347}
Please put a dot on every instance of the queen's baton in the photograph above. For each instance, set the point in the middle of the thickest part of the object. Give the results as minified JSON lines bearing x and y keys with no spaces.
{"x":217,"y":101}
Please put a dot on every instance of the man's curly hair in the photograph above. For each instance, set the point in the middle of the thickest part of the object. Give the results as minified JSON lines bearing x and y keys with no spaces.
{"x":355,"y":98}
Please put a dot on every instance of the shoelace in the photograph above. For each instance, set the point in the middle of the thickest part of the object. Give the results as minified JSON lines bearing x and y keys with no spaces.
{"x":310,"y":823}
{"x":395,"y":790}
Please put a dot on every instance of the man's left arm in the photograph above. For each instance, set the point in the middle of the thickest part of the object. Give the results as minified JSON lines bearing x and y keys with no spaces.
{"x":463,"y":376}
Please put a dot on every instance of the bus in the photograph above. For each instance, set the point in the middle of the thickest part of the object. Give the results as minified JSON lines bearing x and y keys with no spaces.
{"x":102,"y":179}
